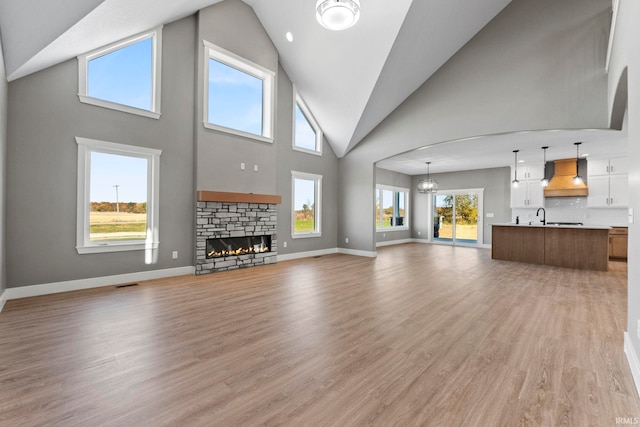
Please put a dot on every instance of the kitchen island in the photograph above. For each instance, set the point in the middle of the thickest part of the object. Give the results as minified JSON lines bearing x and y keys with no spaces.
{"x":573,"y":246}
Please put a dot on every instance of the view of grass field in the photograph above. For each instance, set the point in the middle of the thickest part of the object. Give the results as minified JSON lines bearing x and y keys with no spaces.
{"x":304,"y":225}
{"x":117,"y":226}
{"x":466,"y":232}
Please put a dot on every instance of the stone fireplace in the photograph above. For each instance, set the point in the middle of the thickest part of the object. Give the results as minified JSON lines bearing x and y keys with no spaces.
{"x":235,"y":230}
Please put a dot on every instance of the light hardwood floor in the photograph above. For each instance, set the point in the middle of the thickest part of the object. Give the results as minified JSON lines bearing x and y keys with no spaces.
{"x":422,"y":335}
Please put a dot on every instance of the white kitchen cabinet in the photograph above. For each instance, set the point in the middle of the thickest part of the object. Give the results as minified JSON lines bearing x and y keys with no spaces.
{"x":619,"y":191}
{"x":608,"y":183}
{"x":529,"y":192}
{"x":528,"y":172}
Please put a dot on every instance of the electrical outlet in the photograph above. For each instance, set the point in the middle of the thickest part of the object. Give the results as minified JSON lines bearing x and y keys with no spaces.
{"x":255,"y":168}
{"x":174,"y":255}
{"x":346,"y":240}
{"x":242,"y":166}
{"x":284,"y":244}
{"x":419,"y":233}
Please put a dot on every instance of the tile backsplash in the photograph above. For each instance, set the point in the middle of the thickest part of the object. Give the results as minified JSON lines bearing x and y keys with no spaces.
{"x":573,"y":209}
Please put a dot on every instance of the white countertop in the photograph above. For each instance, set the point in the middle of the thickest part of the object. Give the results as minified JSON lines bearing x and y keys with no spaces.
{"x":539,"y":225}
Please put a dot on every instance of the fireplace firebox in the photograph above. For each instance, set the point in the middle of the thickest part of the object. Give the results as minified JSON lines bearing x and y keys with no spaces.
{"x":233,"y":246}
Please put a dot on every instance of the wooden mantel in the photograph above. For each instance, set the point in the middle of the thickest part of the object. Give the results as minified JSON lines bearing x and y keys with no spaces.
{"x":220,"y":196}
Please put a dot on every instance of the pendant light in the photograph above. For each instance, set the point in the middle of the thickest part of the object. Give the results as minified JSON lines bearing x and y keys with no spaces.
{"x":544,"y":181}
{"x":577,"y":179}
{"x":515,"y":181}
{"x":429,"y":185}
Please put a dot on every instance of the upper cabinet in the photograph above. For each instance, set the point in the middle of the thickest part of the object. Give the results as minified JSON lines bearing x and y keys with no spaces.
{"x":529,"y":192}
{"x":608,"y":182}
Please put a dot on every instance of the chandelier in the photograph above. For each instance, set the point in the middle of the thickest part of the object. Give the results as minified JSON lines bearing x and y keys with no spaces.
{"x":429,"y":185}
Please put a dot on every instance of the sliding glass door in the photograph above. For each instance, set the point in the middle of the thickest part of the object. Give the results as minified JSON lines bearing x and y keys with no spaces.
{"x":457,"y":217}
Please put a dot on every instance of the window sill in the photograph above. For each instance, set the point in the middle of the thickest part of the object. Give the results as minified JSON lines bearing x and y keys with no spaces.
{"x":236,"y":132}
{"x":305,"y":235}
{"x":116,"y":247}
{"x":118,"y":107}
{"x":307,"y":151}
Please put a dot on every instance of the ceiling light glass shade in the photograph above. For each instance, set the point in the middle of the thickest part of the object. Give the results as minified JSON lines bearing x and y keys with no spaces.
{"x":337,"y":15}
{"x":427,"y":186}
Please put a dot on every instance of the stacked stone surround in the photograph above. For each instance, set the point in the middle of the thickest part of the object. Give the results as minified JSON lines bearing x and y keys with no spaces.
{"x":222,"y":220}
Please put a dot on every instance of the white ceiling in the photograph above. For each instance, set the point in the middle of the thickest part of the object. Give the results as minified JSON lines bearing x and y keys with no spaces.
{"x":351,"y":80}
{"x":497,"y":150}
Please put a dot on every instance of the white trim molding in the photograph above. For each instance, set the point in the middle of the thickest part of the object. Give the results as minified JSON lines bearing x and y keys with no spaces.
{"x":155,"y":35}
{"x":83,"y":243}
{"x":95,"y":282}
{"x":308,"y":254}
{"x":3,"y":299}
{"x":632,"y":359}
{"x":268,"y":77}
{"x":367,"y":254}
{"x":393,"y":242}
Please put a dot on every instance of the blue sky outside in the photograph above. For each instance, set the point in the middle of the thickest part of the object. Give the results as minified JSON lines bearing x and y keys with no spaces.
{"x":305,"y":190}
{"x":129,"y":173}
{"x":235,"y":98}
{"x":124,"y":76}
{"x":305,"y":135}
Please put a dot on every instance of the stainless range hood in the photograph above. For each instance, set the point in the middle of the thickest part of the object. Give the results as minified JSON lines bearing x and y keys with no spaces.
{"x":562,"y":185}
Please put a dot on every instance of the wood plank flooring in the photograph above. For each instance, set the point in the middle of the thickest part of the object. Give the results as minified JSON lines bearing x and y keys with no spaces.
{"x":421,"y":335}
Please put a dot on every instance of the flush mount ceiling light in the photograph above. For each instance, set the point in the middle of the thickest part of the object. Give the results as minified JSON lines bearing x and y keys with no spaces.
{"x":544,"y":181}
{"x":515,"y":181}
{"x":337,"y":15}
{"x":577,"y":179}
{"x":429,"y":185}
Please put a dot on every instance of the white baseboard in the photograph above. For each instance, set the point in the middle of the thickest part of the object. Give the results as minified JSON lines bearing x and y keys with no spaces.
{"x":632,"y":359}
{"x":393,"y":242}
{"x":308,"y":254}
{"x":368,"y":254}
{"x":94,"y":282}
{"x":3,"y":299}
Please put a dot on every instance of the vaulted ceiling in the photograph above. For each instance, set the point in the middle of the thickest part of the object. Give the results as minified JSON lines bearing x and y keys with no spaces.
{"x":351,"y":80}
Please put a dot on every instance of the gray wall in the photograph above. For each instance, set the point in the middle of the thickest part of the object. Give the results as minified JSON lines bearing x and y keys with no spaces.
{"x":625,"y":56}
{"x":497,"y":197}
{"x":3,"y":156}
{"x":537,"y":65}
{"x":45,"y":116}
{"x":233,"y":26}
{"x":395,"y":179}
{"x":289,"y":159}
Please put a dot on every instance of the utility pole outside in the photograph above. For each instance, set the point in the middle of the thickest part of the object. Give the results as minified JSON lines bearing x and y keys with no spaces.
{"x":117,"y":200}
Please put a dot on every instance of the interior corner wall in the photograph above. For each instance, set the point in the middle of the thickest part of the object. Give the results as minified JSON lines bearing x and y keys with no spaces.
{"x":401,"y":180}
{"x":538,"y":65}
{"x":233,"y":25}
{"x":294,"y":160}
{"x":45,"y":116}
{"x":3,"y":160}
{"x":625,"y":55}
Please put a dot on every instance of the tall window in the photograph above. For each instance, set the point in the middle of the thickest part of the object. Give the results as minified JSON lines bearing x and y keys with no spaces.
{"x":306,"y":209}
{"x":125,"y":75}
{"x":307,"y":135}
{"x":117,"y":197}
{"x":239,"y":95}
{"x":391,"y":207}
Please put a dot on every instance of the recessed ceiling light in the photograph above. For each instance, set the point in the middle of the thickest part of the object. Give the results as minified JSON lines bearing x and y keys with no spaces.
{"x":289,"y":36}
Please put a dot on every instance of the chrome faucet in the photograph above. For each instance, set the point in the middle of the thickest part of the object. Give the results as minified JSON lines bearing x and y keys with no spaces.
{"x":544,"y":215}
